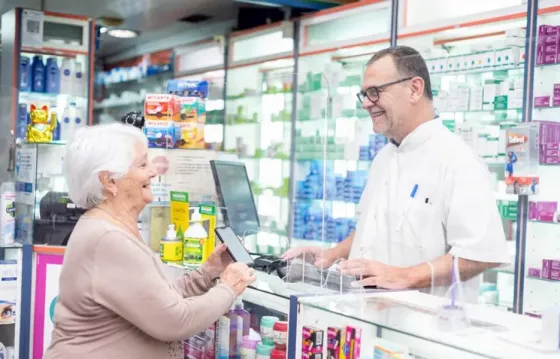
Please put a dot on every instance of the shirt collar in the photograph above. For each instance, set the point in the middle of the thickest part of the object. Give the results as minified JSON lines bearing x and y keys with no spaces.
{"x":417,"y":137}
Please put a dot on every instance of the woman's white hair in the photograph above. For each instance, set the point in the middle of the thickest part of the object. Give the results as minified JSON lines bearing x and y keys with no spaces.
{"x":92,"y":150}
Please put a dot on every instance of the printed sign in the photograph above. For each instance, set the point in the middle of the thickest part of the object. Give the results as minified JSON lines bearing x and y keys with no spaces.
{"x":32,"y":28}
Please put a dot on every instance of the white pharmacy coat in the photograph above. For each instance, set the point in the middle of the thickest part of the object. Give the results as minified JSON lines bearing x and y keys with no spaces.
{"x":453,"y":211}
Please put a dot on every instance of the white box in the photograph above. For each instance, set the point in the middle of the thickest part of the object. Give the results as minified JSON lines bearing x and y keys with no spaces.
{"x":490,"y":92}
{"x":7,"y":217}
{"x":8,"y":291}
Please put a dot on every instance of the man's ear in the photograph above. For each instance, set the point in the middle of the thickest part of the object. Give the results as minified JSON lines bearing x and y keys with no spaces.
{"x":417,"y":89}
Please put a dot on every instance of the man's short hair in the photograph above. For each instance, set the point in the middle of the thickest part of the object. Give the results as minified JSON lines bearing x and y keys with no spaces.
{"x":409,"y":63}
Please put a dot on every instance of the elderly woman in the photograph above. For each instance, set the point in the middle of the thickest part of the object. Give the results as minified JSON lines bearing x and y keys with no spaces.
{"x":114,"y":299}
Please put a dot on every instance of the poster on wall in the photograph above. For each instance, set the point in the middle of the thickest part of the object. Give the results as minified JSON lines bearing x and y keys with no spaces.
{"x":185,"y":171}
{"x":48,"y":267}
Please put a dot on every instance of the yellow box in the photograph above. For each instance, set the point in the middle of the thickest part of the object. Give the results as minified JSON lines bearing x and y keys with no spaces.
{"x":180,"y":212}
{"x":190,"y":116}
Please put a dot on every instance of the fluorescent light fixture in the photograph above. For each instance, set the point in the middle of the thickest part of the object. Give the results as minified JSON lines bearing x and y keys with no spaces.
{"x":103,"y":30}
{"x":122,"y":33}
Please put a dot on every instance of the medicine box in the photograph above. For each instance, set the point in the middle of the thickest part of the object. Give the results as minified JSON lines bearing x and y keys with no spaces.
{"x":159,"y":127}
{"x":522,"y":159}
{"x":8,"y":291}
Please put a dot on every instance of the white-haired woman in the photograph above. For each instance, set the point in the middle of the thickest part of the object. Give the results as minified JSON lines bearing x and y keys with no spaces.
{"x":114,"y":300}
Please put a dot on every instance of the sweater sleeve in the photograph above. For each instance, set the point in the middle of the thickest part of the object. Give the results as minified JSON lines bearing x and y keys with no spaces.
{"x":126,"y":280}
{"x":194,"y":283}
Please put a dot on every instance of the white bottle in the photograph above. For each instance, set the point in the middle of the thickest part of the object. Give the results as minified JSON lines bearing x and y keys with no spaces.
{"x":79,"y":117}
{"x":194,"y":238}
{"x":66,"y":77}
{"x":66,"y":122}
{"x":79,"y":80}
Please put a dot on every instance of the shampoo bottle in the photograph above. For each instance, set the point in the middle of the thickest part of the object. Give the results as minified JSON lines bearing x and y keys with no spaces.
{"x":244,"y":318}
{"x":195,"y":236}
{"x":66,"y":78}
{"x":66,"y":122}
{"x":38,"y":74}
{"x":79,"y":117}
{"x":227,"y":341}
{"x":52,"y":76}
{"x":25,"y":74}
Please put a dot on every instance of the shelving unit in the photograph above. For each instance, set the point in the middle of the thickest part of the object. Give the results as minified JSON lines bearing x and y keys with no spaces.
{"x":63,"y":43}
{"x":258,"y":124}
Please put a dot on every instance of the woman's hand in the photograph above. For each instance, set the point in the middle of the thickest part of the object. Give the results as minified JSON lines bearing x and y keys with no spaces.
{"x":218,"y":260}
{"x":238,"y":276}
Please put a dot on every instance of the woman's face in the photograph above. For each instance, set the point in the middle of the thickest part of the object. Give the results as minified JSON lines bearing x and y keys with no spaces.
{"x":134,"y":188}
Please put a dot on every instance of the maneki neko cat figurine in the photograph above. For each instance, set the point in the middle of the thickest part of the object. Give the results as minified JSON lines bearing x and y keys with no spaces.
{"x":40,"y":128}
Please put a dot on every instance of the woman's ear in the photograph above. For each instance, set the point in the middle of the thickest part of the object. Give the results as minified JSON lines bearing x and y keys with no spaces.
{"x":108,"y":183}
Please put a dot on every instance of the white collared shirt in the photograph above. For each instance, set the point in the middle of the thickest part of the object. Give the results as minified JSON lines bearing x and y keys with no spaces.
{"x":453,"y":210}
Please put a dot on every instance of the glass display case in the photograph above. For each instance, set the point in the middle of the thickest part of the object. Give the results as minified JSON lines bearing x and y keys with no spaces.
{"x":475,"y":54}
{"x":541,"y":281}
{"x":404,"y":325}
{"x":334,"y":142}
{"x":259,"y":124}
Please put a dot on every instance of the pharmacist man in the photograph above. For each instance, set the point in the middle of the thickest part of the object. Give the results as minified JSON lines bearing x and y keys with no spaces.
{"x":428,"y":197}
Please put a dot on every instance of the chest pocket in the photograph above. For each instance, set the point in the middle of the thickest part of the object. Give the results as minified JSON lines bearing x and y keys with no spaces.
{"x":417,"y":220}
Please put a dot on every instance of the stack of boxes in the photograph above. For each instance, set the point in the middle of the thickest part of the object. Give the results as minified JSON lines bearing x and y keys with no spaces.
{"x":543,"y":211}
{"x":522,"y":159}
{"x":312,"y":343}
{"x":493,"y":60}
{"x":308,"y":223}
{"x":177,"y":119}
{"x":547,"y":48}
{"x":551,"y":269}
{"x":544,"y":101}
{"x":375,"y":144}
{"x":549,"y":142}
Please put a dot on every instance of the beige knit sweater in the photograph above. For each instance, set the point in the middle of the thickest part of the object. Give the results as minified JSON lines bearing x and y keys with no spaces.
{"x":115,"y":302}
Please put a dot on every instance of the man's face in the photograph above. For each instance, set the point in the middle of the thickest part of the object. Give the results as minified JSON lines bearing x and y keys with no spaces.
{"x":388,"y":113}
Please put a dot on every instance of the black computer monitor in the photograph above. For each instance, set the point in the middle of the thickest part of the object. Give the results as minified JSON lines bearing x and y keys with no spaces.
{"x":236,"y":197}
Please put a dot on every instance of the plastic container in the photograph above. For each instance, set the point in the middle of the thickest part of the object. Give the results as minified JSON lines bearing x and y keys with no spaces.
{"x":277,"y":354}
{"x":38,"y":74}
{"x":66,"y":122}
{"x":228,"y":346}
{"x":24,"y":74}
{"x":52,"y":76}
{"x":249,"y":347}
{"x":171,"y":247}
{"x":79,"y":117}
{"x":66,"y":77}
{"x":280,"y":335}
{"x":79,"y":79}
{"x":195,"y":238}
{"x":264,"y":350}
{"x":267,"y":333}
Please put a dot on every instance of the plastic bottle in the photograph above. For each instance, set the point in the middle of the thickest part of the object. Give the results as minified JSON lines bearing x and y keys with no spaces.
{"x":38,"y":74}
{"x":171,"y":247}
{"x":264,"y":351}
{"x":25,"y":74}
{"x":78,"y":80}
{"x":249,"y":345}
{"x":195,"y":236}
{"x":244,"y":315}
{"x":227,"y":344}
{"x":52,"y":76}
{"x":66,"y":78}
{"x":66,"y":122}
{"x":79,"y":117}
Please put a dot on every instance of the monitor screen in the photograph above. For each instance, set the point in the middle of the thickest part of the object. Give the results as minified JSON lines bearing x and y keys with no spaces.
{"x":236,"y":196}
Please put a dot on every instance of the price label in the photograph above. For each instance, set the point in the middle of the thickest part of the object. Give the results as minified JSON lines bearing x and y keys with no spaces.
{"x":32,"y":28}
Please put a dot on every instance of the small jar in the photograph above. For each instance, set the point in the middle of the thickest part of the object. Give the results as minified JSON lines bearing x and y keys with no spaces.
{"x":277,"y":354}
{"x":267,"y":334}
{"x":249,"y":347}
{"x":264,"y":351}
{"x":280,"y":334}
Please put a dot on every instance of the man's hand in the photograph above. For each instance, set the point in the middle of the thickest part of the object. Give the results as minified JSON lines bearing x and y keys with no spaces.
{"x":377,"y":274}
{"x":322,"y":258}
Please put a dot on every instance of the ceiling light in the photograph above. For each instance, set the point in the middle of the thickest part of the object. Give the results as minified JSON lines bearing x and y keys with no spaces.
{"x":122,"y":33}
{"x":103,"y":30}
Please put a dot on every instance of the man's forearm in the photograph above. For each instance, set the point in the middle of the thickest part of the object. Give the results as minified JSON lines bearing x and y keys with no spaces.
{"x":421,"y":275}
{"x":342,"y":250}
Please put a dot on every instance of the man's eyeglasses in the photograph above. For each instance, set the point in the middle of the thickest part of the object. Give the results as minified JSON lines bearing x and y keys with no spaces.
{"x":372,"y":93}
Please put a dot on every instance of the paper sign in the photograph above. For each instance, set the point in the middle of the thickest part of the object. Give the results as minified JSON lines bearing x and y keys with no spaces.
{"x":32,"y":28}
{"x":26,"y":170}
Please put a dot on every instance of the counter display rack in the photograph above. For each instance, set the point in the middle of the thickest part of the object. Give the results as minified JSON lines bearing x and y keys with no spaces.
{"x":258,"y":124}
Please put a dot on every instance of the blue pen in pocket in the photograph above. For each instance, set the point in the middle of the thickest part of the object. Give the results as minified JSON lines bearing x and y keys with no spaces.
{"x":410,"y":198}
